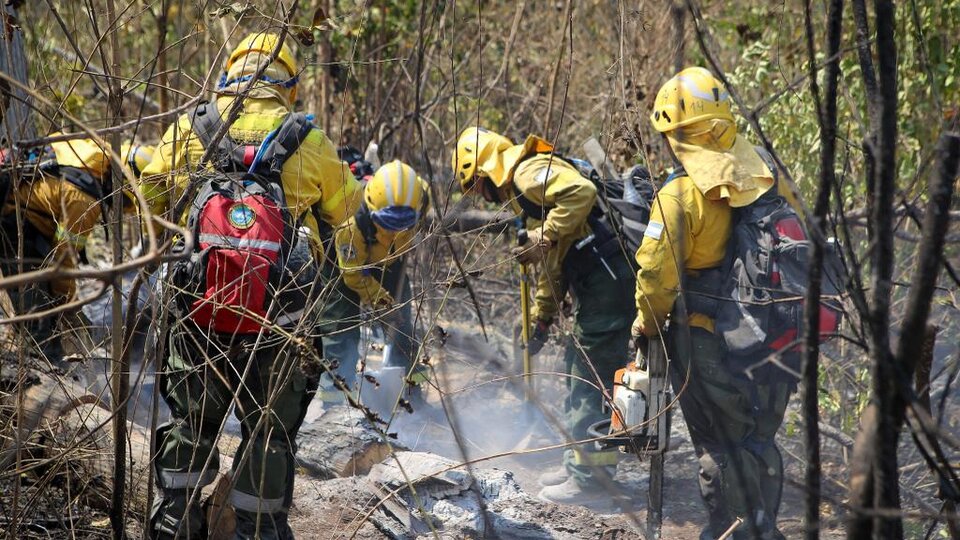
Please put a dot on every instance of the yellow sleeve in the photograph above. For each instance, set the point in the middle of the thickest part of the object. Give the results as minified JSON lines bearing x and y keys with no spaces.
{"x":168,"y":168}
{"x":570,"y":195}
{"x":550,"y":290}
{"x":315,"y":176}
{"x":76,"y":216}
{"x":320,"y":177}
{"x":667,"y":243}
{"x":352,"y":257}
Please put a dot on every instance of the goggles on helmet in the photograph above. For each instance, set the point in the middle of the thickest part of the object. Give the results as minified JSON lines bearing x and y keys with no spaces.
{"x":395,"y":218}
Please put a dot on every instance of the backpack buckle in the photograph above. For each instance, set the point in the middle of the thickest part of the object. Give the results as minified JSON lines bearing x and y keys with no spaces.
{"x":249,"y":152}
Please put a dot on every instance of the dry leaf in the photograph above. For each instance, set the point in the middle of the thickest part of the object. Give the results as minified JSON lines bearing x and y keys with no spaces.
{"x":319,"y":18}
{"x":321,"y":21}
{"x":304,"y":36}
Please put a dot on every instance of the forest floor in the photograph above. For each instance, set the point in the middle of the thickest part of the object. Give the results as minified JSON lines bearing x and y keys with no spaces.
{"x":493,"y":421}
{"x":476,"y":389}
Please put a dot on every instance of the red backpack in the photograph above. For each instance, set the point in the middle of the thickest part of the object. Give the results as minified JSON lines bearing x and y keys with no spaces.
{"x":250,"y":266}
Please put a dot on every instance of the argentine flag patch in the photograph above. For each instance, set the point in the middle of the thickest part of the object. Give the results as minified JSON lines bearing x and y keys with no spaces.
{"x":542,"y":176}
{"x":654,"y":230}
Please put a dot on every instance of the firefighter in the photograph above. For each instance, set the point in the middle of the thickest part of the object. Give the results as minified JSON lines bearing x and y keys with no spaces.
{"x":732,"y":419}
{"x":60,"y":198}
{"x":556,"y":203}
{"x":341,"y":308}
{"x":204,"y":373}
{"x":371,"y":248}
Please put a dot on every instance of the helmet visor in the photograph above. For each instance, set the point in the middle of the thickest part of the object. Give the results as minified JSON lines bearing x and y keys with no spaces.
{"x":395,"y":218}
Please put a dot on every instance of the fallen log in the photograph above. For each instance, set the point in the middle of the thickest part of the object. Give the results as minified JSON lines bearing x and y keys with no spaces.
{"x":340,"y":443}
{"x":63,"y":429}
{"x":485,"y":221}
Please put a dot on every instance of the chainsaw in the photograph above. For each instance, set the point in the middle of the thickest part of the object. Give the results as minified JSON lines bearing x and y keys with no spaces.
{"x":639,"y":420}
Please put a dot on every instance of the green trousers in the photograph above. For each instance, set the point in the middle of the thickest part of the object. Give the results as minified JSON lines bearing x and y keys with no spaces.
{"x":202,"y":377}
{"x":340,"y":331}
{"x":603,"y":312}
{"x":340,"y":325}
{"x":733,"y":422}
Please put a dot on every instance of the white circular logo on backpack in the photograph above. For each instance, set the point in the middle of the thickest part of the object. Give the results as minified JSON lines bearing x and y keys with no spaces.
{"x":242,"y":216}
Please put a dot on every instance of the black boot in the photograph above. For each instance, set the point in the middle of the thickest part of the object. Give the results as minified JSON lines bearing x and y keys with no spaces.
{"x":271,"y":527}
{"x":172,"y":518}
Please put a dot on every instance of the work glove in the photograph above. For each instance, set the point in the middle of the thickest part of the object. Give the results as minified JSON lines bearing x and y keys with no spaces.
{"x":535,"y":249}
{"x":539,"y":333}
{"x":639,"y":334}
{"x":381,"y":300}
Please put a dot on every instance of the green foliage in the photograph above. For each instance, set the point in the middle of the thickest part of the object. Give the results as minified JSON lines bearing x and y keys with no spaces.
{"x":766,"y":66}
{"x":929,"y":69}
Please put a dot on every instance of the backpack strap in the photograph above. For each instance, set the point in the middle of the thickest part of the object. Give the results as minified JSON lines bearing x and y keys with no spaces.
{"x":365,"y":224}
{"x":267,"y":160}
{"x":205,"y":122}
{"x":281,"y":144}
{"x":677,"y":173}
{"x":530,"y":209}
{"x":768,"y":161}
{"x":84,"y":181}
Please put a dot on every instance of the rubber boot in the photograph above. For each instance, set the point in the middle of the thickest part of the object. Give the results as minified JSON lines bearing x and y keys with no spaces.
{"x":172,"y":518}
{"x":593,"y":486}
{"x":271,"y":526}
{"x":554,"y":477}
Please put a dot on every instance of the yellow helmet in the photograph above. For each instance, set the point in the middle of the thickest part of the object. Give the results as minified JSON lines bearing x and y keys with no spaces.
{"x":690,"y":96}
{"x":136,"y":156}
{"x":263,"y":43}
{"x":478,"y":149}
{"x":396,"y":197}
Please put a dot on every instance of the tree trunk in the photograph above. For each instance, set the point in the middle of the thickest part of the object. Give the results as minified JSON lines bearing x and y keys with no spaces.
{"x":16,"y":117}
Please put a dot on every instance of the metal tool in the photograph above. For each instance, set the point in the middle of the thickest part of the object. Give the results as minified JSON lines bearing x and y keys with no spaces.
{"x":522,"y":238}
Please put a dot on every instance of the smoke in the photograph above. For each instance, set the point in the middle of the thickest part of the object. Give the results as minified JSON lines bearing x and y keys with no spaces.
{"x":483,"y":395}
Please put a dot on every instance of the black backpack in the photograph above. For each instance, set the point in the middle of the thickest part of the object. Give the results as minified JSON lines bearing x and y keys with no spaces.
{"x":763,"y":281}
{"x":37,"y":246}
{"x":617,"y":220}
{"x":250,"y":266}
{"x":622,"y":209}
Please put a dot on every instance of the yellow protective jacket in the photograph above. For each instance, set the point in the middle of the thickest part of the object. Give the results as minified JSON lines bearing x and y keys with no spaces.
{"x":357,"y":255}
{"x":357,"y":258}
{"x":687,"y":233}
{"x":64,"y":215}
{"x":313,"y":175}
{"x":553,"y":183}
